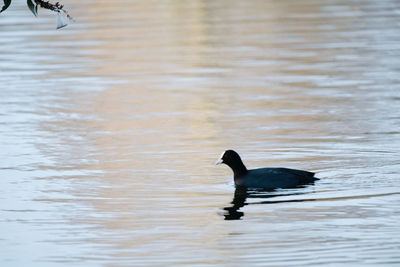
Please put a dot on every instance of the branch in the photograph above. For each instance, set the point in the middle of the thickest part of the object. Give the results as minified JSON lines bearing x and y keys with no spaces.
{"x":57,"y":7}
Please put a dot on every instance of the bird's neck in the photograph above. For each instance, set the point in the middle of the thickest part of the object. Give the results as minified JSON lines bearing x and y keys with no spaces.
{"x":239,"y":170}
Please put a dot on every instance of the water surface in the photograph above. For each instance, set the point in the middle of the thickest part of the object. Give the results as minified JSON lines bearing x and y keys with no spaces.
{"x":109,"y":129}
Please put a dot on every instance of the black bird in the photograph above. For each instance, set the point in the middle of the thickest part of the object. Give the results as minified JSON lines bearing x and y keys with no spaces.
{"x":267,"y":178}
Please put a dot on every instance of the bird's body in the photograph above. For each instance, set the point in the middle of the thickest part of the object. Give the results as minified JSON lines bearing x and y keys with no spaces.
{"x":267,"y":178}
{"x":274,"y":178}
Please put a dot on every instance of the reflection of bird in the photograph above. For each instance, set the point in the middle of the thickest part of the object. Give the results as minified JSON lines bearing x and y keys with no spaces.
{"x":239,"y":200}
{"x":242,"y":194}
{"x":268,"y":178}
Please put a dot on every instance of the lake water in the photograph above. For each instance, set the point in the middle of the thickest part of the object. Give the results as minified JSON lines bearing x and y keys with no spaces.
{"x":110,"y":128}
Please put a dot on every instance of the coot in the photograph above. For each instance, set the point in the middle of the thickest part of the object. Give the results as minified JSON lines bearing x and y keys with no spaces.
{"x":267,"y":178}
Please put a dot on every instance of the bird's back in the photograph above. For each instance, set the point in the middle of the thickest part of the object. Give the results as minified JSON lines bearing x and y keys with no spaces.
{"x":274,"y":178}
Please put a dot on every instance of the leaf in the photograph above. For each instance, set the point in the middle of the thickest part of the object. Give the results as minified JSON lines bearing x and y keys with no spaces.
{"x":6,"y":5}
{"x":61,"y":21}
{"x":32,"y":7}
